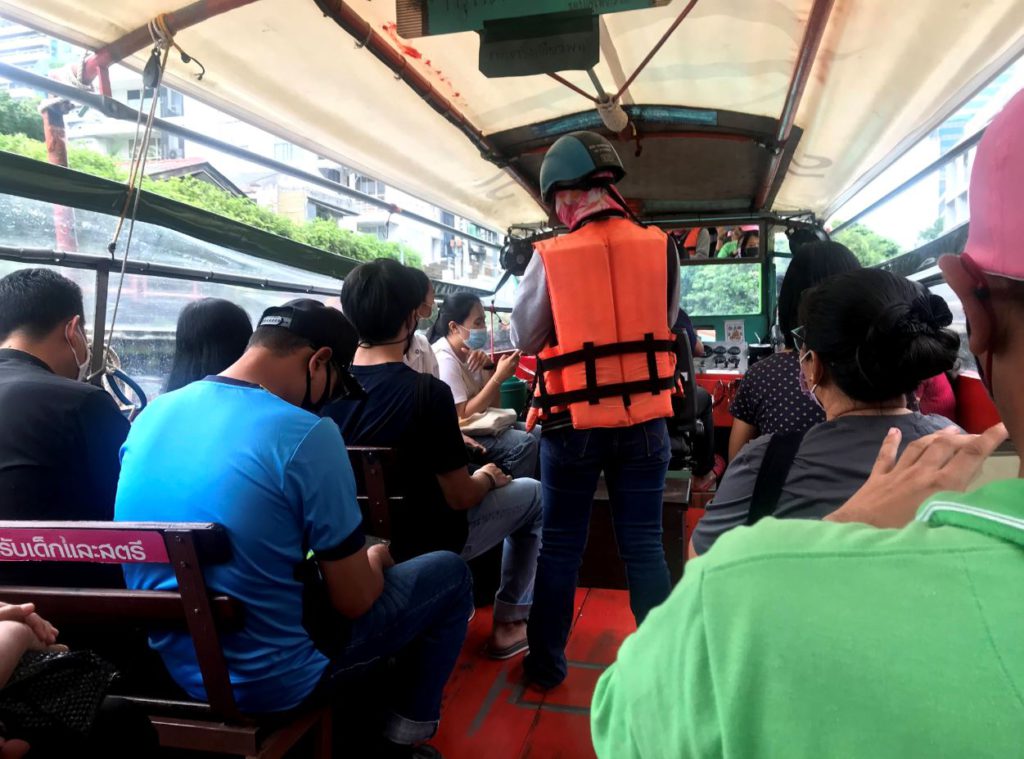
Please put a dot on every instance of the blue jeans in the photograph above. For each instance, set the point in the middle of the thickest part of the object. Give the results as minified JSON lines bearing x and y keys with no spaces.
{"x":420,"y":619}
{"x":511,"y":514}
{"x":515,"y":450}
{"x":634,"y":461}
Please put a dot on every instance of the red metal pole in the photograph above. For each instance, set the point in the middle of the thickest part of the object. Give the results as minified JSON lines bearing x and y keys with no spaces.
{"x":140,"y":38}
{"x":367,"y":37}
{"x":57,"y":153}
{"x":801,"y":73}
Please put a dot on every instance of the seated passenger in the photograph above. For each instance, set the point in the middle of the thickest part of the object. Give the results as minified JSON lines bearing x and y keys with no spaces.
{"x":459,"y":335}
{"x":247,"y":450}
{"x":750,"y":241}
{"x":420,"y":355}
{"x":868,"y":338}
{"x":935,"y":396}
{"x":65,"y":696}
{"x":707,"y":467}
{"x":445,"y":507}
{"x":729,"y":242}
{"x":769,"y":399}
{"x":802,"y":638}
{"x":59,"y":438}
{"x":211,"y":335}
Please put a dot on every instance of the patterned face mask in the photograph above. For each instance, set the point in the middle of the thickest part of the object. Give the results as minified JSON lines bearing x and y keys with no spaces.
{"x":803,"y":383}
{"x":573,"y":207}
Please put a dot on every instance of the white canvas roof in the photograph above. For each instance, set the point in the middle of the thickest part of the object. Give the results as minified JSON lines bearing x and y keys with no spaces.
{"x":886,"y":73}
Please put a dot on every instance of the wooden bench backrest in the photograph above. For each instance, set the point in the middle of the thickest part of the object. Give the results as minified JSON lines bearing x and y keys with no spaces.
{"x":186,"y":547}
{"x":377,"y":487}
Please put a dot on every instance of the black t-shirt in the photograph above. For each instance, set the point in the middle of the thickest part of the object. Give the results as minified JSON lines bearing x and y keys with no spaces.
{"x":60,"y":444}
{"x":428,"y":442}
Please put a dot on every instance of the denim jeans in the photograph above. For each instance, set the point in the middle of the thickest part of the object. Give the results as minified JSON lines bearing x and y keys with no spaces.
{"x":634,"y":461}
{"x":511,"y":514}
{"x":420,"y":619}
{"x":515,"y":450}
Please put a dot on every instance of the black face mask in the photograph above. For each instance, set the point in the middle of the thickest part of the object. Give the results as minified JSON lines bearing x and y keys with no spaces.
{"x":307,"y":400}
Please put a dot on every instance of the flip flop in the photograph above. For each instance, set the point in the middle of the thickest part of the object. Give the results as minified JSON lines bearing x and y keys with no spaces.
{"x":508,"y":652}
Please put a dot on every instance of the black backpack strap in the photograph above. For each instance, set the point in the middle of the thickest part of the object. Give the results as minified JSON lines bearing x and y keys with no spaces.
{"x":778,"y":460}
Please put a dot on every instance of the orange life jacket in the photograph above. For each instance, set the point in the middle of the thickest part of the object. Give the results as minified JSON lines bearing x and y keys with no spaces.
{"x":692,"y":238}
{"x":612,"y":358}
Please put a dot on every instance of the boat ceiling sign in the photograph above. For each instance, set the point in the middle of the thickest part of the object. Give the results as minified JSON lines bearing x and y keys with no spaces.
{"x":422,"y":18}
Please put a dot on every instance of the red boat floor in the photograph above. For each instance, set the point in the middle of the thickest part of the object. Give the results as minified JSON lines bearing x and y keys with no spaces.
{"x":487,"y":711}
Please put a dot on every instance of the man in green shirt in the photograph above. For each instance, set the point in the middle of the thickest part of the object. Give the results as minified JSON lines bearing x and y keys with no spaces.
{"x":817,"y":639}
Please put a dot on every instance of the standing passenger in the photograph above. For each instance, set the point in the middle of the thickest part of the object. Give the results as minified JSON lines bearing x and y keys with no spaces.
{"x":597,"y":305}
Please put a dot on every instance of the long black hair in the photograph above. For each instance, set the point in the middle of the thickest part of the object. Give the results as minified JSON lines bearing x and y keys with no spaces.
{"x":456,"y":308}
{"x":879,"y":335}
{"x":212,"y":334}
{"x":812,"y":264}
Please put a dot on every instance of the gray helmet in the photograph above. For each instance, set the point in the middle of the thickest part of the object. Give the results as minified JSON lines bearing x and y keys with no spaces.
{"x":574,"y":159}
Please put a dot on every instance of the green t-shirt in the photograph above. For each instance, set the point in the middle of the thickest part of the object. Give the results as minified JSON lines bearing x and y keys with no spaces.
{"x":797,"y":639}
{"x":728,"y":249}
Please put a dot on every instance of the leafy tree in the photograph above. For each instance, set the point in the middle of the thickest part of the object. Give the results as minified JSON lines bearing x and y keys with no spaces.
{"x":868,"y":246}
{"x":721,"y":290}
{"x":20,"y":117}
{"x":318,"y":233}
{"x":933,"y":232}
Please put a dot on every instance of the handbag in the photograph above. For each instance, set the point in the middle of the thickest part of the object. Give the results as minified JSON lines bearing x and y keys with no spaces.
{"x":52,"y":698}
{"x":493,"y":421}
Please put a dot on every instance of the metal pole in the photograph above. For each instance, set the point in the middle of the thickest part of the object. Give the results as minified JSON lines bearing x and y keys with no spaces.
{"x":57,"y":153}
{"x":801,"y":73}
{"x":138,"y":39}
{"x":364,"y":33}
{"x":953,"y":154}
{"x":99,"y":323}
{"x":114,"y":109}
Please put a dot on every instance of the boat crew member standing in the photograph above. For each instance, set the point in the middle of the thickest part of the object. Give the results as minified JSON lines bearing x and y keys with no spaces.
{"x":606,"y":372}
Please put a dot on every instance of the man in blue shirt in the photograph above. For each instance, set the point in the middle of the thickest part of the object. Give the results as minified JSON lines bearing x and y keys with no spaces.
{"x":246,"y":450}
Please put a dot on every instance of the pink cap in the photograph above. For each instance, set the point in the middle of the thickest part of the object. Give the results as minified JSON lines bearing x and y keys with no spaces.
{"x":997,"y":195}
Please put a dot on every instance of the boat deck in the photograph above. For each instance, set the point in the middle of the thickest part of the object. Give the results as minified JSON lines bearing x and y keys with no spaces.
{"x":489,"y":713}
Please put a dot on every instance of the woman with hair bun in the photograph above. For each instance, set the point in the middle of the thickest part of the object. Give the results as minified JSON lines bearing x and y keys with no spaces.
{"x":866,"y":339}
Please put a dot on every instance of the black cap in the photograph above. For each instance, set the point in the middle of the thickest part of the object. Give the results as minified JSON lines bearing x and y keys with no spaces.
{"x":322,"y":326}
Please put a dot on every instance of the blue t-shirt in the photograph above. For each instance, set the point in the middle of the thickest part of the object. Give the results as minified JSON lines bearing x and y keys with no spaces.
{"x":279,"y":480}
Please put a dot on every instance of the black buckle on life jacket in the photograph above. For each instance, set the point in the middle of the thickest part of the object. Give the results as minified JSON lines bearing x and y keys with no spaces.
{"x":624,"y":390}
{"x":592,"y":393}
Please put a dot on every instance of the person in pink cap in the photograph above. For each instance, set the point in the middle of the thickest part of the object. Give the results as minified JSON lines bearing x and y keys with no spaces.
{"x":895,"y":628}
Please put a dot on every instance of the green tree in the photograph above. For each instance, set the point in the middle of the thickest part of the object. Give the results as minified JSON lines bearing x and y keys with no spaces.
{"x":933,"y":232}
{"x":868,"y":246}
{"x":721,"y":290}
{"x":20,"y":117}
{"x":318,"y":233}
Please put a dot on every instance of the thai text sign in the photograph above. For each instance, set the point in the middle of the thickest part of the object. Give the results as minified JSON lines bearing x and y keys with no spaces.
{"x":91,"y":546}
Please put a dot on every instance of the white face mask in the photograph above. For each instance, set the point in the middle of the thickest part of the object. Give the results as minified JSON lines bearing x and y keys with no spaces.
{"x":83,"y":367}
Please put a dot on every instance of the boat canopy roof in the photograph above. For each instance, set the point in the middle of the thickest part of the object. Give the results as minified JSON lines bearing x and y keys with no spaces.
{"x":707,"y":106}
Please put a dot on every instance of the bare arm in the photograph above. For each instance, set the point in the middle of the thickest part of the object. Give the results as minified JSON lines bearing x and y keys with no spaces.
{"x":356,"y":582}
{"x":462,"y":491}
{"x":489,"y":396}
{"x":491,"y":393}
{"x":741,"y":434}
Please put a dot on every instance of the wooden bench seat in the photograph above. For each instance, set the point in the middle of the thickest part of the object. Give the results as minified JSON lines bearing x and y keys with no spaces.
{"x":216,"y":725}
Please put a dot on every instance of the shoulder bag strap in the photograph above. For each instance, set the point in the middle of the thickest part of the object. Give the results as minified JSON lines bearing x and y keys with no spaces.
{"x":778,"y":460}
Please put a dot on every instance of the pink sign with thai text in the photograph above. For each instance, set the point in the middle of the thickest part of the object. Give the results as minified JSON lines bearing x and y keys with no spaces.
{"x":91,"y":546}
